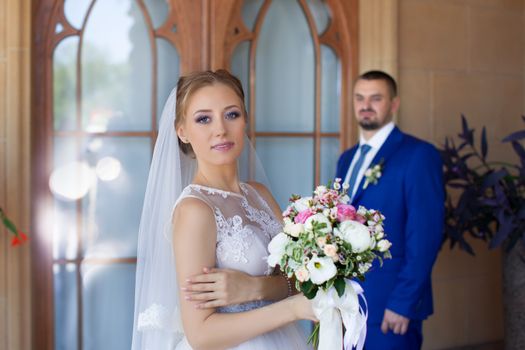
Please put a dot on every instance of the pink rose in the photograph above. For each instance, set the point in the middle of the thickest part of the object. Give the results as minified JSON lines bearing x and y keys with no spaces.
{"x":345,"y":212}
{"x":360,"y":218}
{"x":302,"y":216}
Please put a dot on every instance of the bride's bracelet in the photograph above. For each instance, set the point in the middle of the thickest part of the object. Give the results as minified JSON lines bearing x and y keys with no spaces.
{"x":288,"y":282}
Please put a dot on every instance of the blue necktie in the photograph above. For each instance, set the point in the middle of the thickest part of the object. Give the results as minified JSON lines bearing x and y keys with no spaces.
{"x":351,"y":182}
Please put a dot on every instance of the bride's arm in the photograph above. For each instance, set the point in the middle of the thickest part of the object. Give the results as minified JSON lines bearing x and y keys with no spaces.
{"x":213,"y":287}
{"x":194,"y":247}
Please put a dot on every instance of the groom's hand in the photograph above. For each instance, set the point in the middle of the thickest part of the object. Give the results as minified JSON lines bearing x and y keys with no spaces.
{"x":395,"y":322}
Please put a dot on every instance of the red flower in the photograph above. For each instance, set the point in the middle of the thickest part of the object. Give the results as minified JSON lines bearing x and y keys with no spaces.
{"x":19,"y":239}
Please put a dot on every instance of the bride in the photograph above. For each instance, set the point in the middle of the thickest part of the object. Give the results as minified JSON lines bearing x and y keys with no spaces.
{"x":216,"y":220}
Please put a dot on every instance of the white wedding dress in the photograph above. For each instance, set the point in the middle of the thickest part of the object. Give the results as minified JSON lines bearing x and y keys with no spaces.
{"x":245,"y":226}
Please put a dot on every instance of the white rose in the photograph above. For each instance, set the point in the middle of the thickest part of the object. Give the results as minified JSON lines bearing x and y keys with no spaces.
{"x":302,"y":274}
{"x":302,"y":204}
{"x":356,"y":234}
{"x":293,"y":230}
{"x":321,"y":269}
{"x":383,"y":245}
{"x":276,"y":248}
{"x":319,"y":218}
{"x":287,"y":221}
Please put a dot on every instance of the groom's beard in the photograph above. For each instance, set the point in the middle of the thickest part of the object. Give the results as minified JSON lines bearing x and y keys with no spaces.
{"x":370,"y":124}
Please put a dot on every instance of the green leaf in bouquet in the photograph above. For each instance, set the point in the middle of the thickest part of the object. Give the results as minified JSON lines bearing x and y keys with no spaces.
{"x":297,"y":253}
{"x":294,"y":197}
{"x":329,"y":284}
{"x":309,"y":289}
{"x":340,"y":285}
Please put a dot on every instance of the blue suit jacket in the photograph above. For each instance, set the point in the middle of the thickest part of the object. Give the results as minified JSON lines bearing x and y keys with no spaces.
{"x":410,"y":194}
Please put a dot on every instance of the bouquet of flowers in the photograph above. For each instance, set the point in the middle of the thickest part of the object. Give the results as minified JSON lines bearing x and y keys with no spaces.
{"x":326,"y":244}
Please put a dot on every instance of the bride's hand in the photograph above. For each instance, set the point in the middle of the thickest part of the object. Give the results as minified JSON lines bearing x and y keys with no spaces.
{"x":302,"y":307}
{"x":220,"y":287}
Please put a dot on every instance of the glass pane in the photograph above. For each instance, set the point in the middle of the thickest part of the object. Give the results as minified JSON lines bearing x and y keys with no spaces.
{"x":329,"y":155}
{"x":66,"y":306}
{"x":65,"y":232}
{"x":64,"y":84}
{"x":111,"y":211}
{"x":320,"y":14}
{"x":330,"y":90}
{"x":240,"y":67}
{"x":285,"y":71}
{"x":116,"y":69}
{"x":75,"y":11}
{"x":289,"y":165}
{"x":108,"y":302}
{"x":168,"y":73}
{"x":250,"y":10}
{"x":158,"y":11}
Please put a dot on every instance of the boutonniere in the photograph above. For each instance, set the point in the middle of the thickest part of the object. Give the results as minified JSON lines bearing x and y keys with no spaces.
{"x":373,"y":173}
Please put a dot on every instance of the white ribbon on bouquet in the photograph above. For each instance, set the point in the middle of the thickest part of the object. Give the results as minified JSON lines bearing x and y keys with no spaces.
{"x":332,"y":311}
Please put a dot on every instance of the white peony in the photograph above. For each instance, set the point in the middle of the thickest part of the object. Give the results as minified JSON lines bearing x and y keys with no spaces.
{"x":276,"y":248}
{"x":302,"y":204}
{"x":321,"y":269}
{"x":319,"y":218}
{"x":356,"y":234}
{"x":383,"y":245}
{"x":293,"y":230}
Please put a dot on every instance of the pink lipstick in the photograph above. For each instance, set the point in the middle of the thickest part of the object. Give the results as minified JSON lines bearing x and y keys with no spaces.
{"x":223,"y":147}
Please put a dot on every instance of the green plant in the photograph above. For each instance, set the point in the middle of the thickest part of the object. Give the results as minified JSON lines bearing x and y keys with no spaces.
{"x":491,"y":194}
{"x":19,"y":236}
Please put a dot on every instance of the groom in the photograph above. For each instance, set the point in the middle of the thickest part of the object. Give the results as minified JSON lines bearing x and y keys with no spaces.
{"x":407,"y":187}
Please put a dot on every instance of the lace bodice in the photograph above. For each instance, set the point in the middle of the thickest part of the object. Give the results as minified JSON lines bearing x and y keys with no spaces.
{"x":245,"y":225}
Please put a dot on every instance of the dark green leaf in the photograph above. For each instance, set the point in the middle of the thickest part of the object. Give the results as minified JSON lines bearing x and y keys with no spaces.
{"x":308,"y":288}
{"x":515,"y":136}
{"x":484,"y":147}
{"x":340,"y":285}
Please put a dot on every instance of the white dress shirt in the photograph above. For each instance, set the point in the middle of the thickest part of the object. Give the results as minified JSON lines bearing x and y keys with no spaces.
{"x":375,"y":143}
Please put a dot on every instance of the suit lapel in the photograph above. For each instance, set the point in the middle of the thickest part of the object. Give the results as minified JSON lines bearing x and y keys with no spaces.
{"x":391,"y":145}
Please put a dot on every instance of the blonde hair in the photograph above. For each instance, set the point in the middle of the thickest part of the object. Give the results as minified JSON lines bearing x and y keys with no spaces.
{"x":189,"y":84}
